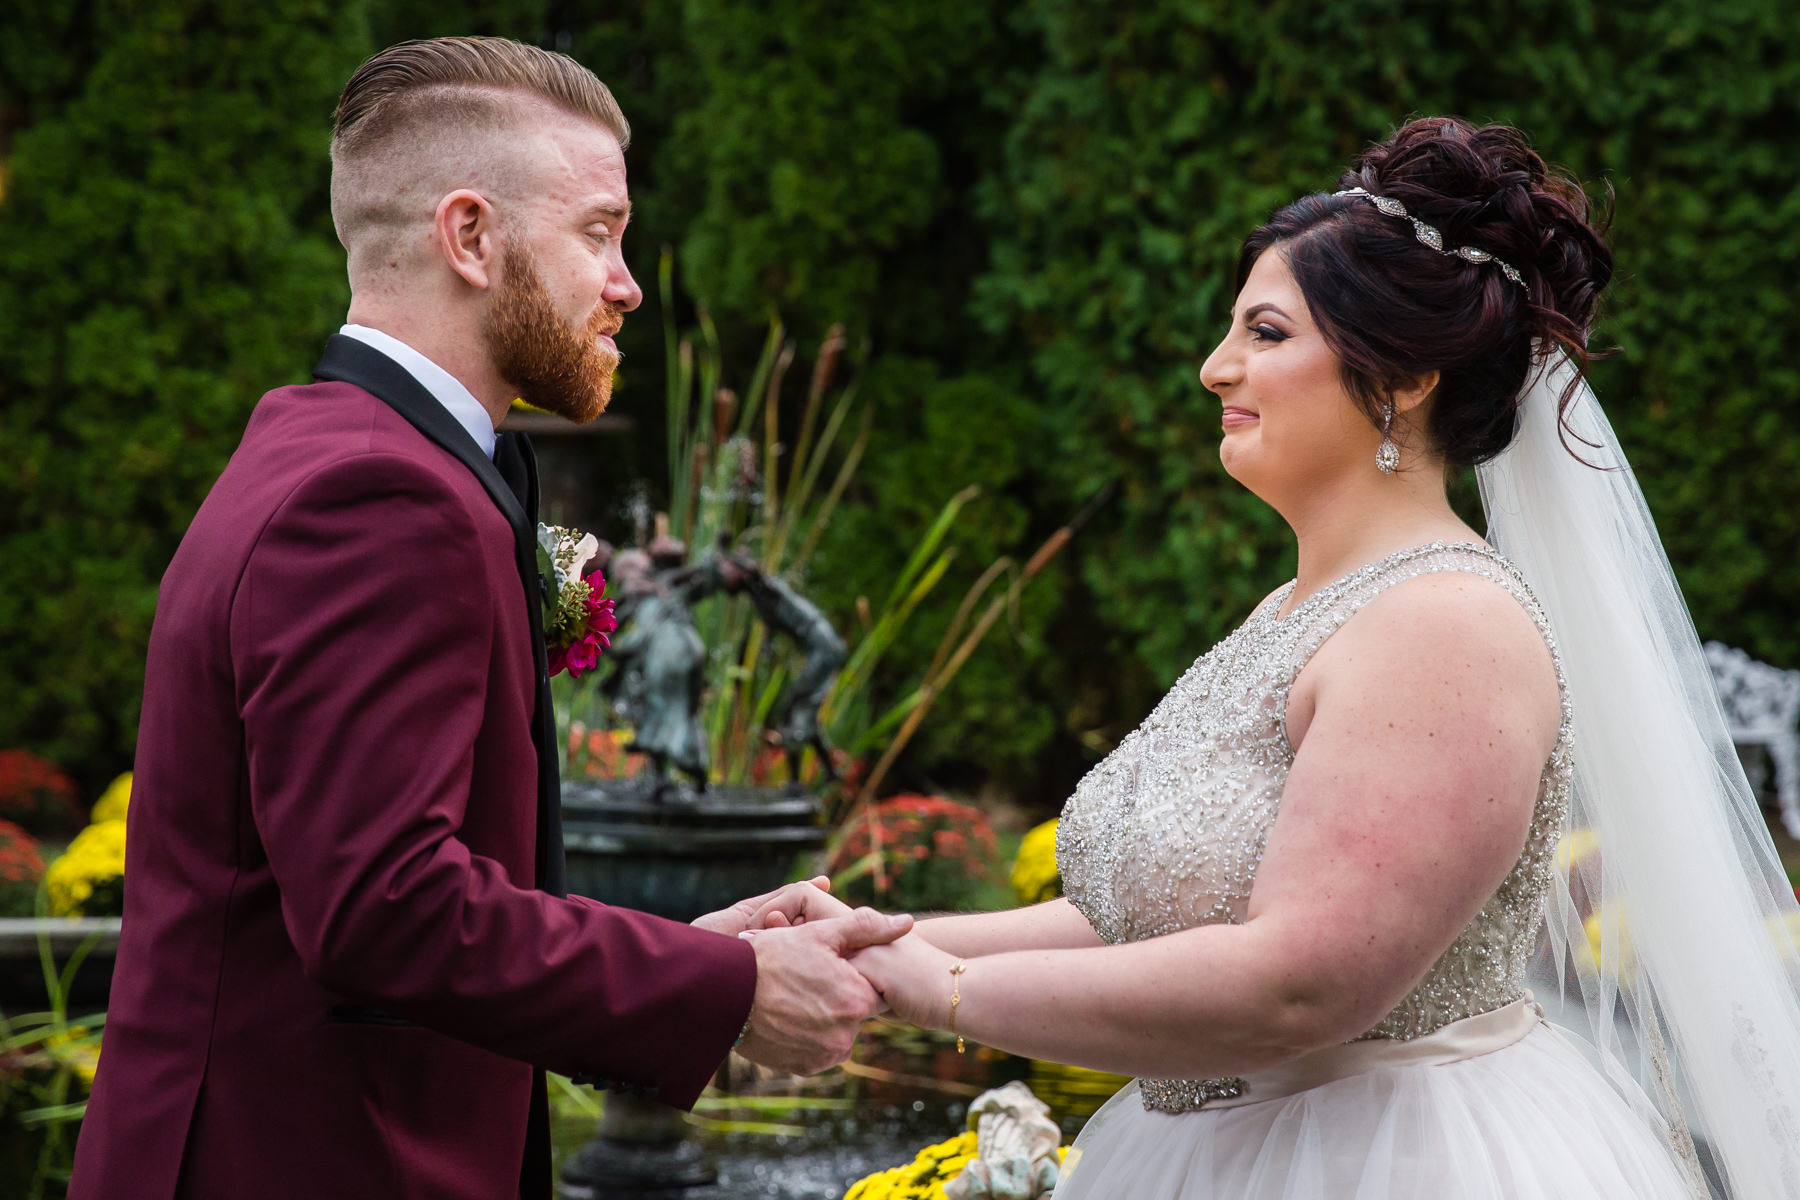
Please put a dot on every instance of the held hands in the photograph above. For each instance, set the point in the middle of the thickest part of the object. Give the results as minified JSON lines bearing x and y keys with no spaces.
{"x":823,"y":968}
{"x":912,"y":977}
{"x":790,"y":905}
{"x":811,"y":1002}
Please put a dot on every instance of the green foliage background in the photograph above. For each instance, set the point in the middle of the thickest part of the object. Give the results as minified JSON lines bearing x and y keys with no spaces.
{"x":1027,"y":213}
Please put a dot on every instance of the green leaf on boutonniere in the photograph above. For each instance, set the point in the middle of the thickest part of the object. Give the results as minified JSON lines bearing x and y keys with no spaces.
{"x":546,"y":556}
{"x":550,"y":590}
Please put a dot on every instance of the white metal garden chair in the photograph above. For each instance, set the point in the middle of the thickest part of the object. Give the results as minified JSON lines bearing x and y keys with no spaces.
{"x":1762,"y":710}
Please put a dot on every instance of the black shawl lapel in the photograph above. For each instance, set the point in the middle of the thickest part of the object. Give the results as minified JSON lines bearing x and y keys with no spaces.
{"x":517,"y":464}
{"x":347,"y":360}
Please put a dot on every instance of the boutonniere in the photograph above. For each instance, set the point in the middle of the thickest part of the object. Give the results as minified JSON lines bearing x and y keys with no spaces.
{"x":578,"y":614}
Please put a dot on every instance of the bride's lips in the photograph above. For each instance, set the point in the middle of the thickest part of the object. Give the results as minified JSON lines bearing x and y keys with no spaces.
{"x":1233,"y":418}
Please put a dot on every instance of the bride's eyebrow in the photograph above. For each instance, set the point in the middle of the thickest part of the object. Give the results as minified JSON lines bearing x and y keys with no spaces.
{"x":1256,"y":310}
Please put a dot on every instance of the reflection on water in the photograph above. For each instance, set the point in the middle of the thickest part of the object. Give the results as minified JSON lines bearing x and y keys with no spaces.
{"x":776,"y":1137}
{"x":1073,"y":1093}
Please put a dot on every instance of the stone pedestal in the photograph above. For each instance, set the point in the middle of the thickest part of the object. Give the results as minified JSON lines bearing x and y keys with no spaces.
{"x":679,"y":854}
{"x":639,"y":1151}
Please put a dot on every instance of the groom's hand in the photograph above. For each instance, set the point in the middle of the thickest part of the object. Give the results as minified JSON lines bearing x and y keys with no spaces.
{"x":810,"y":1003}
{"x":751,"y":913}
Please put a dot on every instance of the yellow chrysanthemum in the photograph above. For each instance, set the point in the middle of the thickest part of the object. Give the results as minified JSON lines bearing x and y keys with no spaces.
{"x":925,"y":1176}
{"x":114,"y":800}
{"x":94,"y":858}
{"x":1034,"y":874}
{"x":921,"y":1179}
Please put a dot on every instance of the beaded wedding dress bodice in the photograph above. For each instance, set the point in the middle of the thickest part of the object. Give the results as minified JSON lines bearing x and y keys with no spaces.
{"x":1167,"y":832}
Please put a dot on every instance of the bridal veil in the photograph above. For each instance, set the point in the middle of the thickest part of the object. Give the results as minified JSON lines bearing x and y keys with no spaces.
{"x":1674,"y":939}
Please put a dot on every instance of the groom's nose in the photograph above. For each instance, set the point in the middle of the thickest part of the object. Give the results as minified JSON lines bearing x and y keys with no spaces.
{"x":622,"y":291}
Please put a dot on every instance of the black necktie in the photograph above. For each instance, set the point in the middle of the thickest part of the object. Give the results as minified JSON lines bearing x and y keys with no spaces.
{"x":517,"y":463}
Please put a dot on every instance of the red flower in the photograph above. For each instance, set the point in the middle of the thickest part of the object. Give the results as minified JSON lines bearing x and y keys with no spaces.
{"x":20,"y":862}
{"x":34,"y":794}
{"x":921,"y":846}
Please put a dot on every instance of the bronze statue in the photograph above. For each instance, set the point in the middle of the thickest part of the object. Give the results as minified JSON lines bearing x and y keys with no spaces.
{"x":659,"y":661}
{"x":786,"y":611}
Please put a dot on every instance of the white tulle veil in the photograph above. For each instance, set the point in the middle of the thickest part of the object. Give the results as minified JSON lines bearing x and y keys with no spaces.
{"x":1673,"y":935}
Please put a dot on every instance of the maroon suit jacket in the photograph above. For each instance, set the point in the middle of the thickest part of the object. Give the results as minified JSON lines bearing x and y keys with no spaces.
{"x":337,"y":973}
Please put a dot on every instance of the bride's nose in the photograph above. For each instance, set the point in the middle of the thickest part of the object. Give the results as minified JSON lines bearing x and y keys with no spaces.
{"x":1220,"y":370}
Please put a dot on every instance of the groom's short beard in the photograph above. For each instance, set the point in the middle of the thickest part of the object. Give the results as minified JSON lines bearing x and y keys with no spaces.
{"x":553,"y":367}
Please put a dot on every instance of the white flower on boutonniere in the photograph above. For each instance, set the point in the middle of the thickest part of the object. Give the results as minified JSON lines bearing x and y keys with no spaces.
{"x":578,"y":614}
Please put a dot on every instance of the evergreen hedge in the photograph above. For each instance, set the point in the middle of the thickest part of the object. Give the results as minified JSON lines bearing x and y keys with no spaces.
{"x":1027,"y":211}
{"x":1157,"y":134}
{"x":167,"y":257}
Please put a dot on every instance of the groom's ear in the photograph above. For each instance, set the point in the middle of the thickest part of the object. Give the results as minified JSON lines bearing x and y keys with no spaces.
{"x":465,"y":231}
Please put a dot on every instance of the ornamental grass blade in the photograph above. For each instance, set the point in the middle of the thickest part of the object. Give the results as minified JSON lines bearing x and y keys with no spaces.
{"x":846,"y":472}
{"x":860,"y":667}
{"x":800,"y":494}
{"x":55,"y":1114}
{"x":928,"y":545}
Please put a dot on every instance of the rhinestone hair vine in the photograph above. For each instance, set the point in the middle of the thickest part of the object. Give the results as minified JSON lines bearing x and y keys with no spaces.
{"x":1429,"y":234}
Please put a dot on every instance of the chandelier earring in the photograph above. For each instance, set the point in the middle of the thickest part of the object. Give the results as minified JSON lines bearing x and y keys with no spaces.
{"x":1387,"y":455}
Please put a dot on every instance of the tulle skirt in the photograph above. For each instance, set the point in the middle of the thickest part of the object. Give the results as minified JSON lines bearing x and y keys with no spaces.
{"x":1530,"y":1121}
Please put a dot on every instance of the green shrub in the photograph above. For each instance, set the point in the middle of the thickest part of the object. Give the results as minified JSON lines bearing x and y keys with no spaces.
{"x":168,"y":258}
{"x":1157,"y":134}
{"x":1030,"y":212}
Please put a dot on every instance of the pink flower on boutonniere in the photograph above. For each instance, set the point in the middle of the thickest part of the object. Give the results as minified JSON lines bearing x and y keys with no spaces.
{"x":582,"y":652}
{"x":578,"y":614}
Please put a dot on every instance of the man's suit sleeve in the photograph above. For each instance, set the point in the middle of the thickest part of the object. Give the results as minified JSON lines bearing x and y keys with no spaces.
{"x":362,"y":632}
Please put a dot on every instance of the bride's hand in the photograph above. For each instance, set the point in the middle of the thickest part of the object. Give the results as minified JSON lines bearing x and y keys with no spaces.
{"x":796,"y":905}
{"x":772,"y":910}
{"x":912,"y":976}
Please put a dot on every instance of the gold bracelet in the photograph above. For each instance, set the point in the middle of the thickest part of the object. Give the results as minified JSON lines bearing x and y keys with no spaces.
{"x":956,"y":999}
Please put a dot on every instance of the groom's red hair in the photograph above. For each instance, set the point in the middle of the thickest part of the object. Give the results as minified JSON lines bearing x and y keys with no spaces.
{"x":424,"y":118}
{"x":402,"y":82}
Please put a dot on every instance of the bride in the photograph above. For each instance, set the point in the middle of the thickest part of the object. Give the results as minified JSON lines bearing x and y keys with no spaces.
{"x":1302,"y":897}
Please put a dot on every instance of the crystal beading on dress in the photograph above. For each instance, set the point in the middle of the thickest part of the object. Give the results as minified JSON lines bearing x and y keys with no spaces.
{"x":1167,"y":832}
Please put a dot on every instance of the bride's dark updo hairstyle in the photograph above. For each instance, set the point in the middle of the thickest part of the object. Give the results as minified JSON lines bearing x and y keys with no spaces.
{"x":1393,"y":309}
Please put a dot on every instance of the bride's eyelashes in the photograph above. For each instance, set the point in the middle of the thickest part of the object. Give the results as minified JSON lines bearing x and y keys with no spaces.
{"x":1267,"y":333}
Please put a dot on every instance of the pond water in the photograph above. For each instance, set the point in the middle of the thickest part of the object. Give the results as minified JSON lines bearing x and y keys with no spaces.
{"x":782,"y":1138}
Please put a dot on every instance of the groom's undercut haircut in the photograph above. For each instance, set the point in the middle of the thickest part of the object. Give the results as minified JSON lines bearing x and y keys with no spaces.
{"x":447,"y":112}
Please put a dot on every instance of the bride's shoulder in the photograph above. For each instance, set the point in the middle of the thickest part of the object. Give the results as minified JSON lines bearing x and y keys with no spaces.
{"x":1456,"y":614}
{"x":1445,"y":638}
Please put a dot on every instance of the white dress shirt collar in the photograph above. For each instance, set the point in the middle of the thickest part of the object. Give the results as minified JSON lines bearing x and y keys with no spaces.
{"x":449,"y":391}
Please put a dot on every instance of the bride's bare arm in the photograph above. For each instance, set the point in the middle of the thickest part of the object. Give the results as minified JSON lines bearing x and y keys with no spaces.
{"x":1052,"y":925}
{"x":1430,"y":717}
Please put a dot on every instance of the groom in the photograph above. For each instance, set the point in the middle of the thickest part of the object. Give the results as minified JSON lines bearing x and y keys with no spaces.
{"x":347,"y":957}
